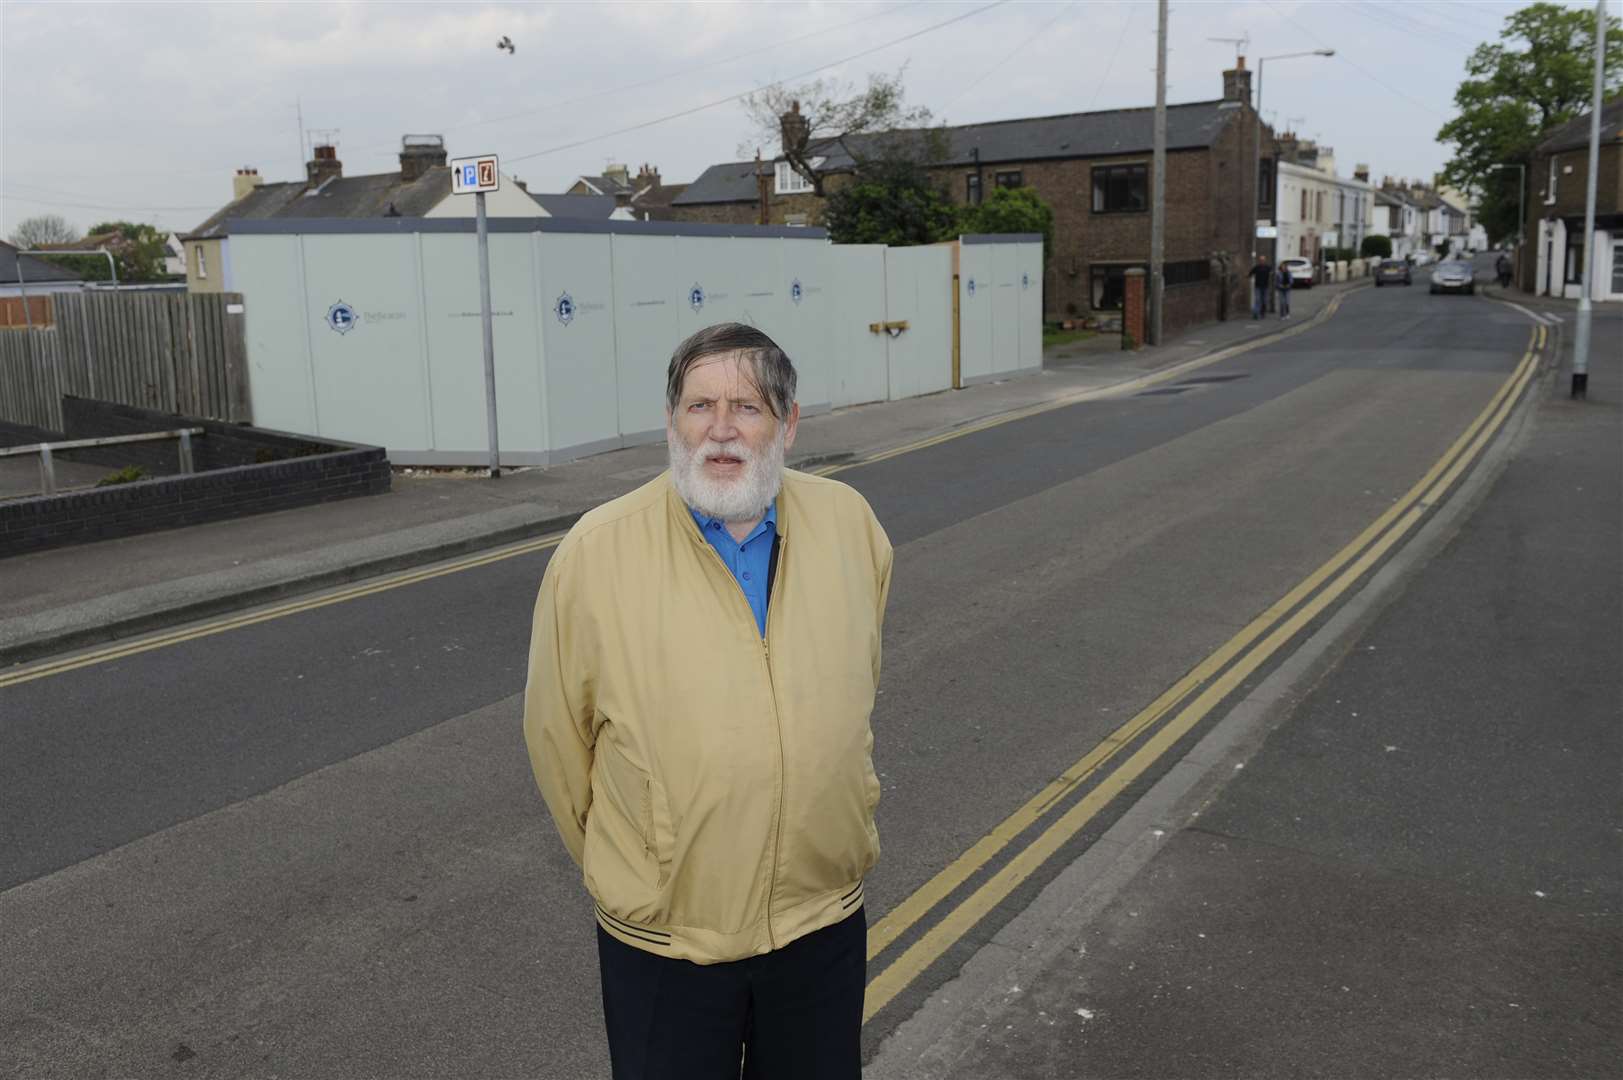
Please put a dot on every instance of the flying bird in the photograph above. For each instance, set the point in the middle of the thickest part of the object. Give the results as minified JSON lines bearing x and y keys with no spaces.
{"x":507,"y":44}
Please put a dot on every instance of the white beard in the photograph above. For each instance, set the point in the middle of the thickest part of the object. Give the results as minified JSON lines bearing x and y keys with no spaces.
{"x":742,"y":499}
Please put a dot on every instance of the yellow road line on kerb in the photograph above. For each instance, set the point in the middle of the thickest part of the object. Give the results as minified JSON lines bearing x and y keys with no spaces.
{"x":293,"y":607}
{"x":1371,"y":542}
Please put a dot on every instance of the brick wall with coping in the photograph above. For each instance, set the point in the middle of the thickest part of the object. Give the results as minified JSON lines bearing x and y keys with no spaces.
{"x":326,"y":471}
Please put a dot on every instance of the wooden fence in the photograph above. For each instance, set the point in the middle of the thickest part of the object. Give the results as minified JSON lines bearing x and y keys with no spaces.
{"x":176,"y":352}
{"x":15,"y":312}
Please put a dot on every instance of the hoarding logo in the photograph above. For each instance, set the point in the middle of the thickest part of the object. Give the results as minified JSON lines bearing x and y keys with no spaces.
{"x":696,"y":297}
{"x":565,"y":308}
{"x":1025,"y":281}
{"x":794,"y":290}
{"x":971,"y":286}
{"x":341,"y":317}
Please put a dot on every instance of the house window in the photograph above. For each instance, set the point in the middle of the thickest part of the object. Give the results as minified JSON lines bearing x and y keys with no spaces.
{"x":1304,"y":204}
{"x":1119,"y":189}
{"x":1265,"y":182}
{"x":790,"y":182}
{"x":1617,"y":268}
{"x":1549,"y":191}
{"x":1318,"y":206}
{"x":972,"y":189}
{"x":1189,"y":272}
{"x":202,"y":263}
{"x":1008,"y":179}
{"x":1109,"y":285}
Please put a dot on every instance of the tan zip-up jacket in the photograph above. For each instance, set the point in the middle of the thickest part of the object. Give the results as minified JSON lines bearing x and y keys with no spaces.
{"x":716,"y":787}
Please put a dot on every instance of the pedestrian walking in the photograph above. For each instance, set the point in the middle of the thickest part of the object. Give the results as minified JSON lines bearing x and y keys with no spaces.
{"x":1285,"y":285}
{"x":703,"y":664}
{"x":1261,"y":277}
{"x":1501,"y":266}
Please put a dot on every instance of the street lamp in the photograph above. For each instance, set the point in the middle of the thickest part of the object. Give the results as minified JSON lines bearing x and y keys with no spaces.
{"x":1256,"y":157}
{"x":1521,"y":189}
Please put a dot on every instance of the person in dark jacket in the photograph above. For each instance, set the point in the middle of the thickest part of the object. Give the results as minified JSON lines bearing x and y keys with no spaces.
{"x":1261,"y":277}
{"x":1285,"y":286}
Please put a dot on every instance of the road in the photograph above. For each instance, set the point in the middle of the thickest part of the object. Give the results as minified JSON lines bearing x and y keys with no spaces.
{"x":312,"y":847}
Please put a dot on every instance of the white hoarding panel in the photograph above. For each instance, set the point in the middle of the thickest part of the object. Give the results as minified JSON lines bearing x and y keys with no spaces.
{"x":648,"y":294}
{"x":575,"y":300}
{"x":456,"y":358}
{"x":856,"y":276}
{"x":366,"y":339}
{"x":280,"y":381}
{"x":1005,"y":308}
{"x":918,"y":291}
{"x":807,"y":336}
{"x":1031,"y":305}
{"x":975,"y":298}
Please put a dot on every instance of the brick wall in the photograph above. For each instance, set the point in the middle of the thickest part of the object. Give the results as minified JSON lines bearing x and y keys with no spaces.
{"x":326,"y":471}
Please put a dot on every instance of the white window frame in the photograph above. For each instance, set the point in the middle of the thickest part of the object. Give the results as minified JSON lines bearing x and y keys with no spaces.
{"x":786,"y":181}
{"x":202,"y":263}
{"x":1549,"y":195}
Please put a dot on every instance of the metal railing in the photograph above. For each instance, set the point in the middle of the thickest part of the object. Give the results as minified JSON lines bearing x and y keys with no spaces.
{"x":47,"y":464}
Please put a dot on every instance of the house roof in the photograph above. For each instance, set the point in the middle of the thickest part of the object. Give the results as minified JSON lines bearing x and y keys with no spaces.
{"x":34,"y":270}
{"x":377,"y":195}
{"x":576,"y":206}
{"x":607,"y":185}
{"x":1575,"y":133}
{"x":1191,"y":126}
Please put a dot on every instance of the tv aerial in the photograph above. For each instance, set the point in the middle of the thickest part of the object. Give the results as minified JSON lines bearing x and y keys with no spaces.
{"x":1241,"y":44}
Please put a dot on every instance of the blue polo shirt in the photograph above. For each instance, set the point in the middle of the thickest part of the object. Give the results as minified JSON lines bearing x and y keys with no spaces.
{"x":750,"y":561}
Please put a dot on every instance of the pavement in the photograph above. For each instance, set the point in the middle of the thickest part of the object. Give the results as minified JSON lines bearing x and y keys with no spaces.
{"x":1403,"y":855}
{"x":68,"y":598}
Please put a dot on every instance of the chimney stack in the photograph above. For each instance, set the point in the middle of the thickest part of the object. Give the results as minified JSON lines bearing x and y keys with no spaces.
{"x":647,"y":177}
{"x":1237,"y":83}
{"x":420,"y":153}
{"x":323,"y":166}
{"x":794,"y":129}
{"x":244,"y":182}
{"x":619,"y":174}
{"x":1361,"y":172}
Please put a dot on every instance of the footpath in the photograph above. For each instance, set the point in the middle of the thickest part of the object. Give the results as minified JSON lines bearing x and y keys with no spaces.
{"x":1407,"y":861}
{"x":69,"y":598}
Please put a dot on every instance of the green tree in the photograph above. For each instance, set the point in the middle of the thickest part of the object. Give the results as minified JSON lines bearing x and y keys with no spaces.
{"x":1539,"y":75}
{"x":139,"y":250}
{"x":890,"y":201}
{"x":1376,"y":247}
{"x":1012,"y":210}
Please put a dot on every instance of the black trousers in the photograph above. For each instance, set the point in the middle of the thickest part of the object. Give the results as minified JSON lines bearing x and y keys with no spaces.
{"x":793,"y":1014}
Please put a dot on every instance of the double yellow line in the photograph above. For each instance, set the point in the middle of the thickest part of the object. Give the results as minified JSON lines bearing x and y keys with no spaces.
{"x":1280,"y":623}
{"x":293,"y":607}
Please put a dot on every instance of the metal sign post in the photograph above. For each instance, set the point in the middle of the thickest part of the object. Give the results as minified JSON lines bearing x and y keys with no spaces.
{"x":475,"y":176}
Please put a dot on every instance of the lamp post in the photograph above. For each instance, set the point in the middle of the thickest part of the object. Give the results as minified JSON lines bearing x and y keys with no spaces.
{"x":1521,"y":220}
{"x":1256,"y":157}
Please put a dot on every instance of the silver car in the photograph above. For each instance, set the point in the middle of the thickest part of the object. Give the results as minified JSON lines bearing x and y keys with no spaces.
{"x":1453,"y":276}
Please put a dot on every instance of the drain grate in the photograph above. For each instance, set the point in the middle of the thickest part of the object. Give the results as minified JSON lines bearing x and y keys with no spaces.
{"x":1202,"y":380}
{"x":1163,"y":391}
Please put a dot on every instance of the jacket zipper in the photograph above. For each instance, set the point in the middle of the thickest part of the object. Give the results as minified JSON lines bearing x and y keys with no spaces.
{"x":777,"y":720}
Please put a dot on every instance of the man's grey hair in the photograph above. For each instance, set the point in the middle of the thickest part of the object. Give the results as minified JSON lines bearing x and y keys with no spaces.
{"x":768,"y":366}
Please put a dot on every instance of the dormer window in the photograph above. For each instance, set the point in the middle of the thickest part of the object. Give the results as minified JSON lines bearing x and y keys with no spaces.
{"x":790,"y":182}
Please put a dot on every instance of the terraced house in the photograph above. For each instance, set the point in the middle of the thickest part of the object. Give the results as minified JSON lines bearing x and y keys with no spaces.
{"x":1093,"y":168}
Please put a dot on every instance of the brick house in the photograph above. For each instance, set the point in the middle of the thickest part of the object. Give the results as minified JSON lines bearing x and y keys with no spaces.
{"x":1557,"y":180}
{"x":645,"y":196}
{"x":1093,"y":169}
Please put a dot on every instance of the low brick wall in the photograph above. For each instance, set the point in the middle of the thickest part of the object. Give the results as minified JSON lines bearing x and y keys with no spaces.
{"x":229,"y":482}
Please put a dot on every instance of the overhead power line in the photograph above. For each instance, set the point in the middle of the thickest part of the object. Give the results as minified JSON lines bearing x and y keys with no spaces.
{"x":706,"y":66}
{"x":1111,"y":66}
{"x":745,"y":93}
{"x":97,"y":206}
{"x":1341,"y":55}
{"x":982,"y":77}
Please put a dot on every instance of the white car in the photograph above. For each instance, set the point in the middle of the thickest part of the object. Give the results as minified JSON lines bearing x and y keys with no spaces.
{"x":1301,"y":272}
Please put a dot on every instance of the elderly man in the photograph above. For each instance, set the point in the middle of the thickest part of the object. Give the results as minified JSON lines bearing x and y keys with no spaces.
{"x":702,"y":669}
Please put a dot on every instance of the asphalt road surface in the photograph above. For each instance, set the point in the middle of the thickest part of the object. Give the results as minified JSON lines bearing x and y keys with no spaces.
{"x":312,"y":846}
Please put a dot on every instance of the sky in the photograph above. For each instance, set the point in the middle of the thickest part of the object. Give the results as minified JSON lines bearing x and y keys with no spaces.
{"x":142,"y":111}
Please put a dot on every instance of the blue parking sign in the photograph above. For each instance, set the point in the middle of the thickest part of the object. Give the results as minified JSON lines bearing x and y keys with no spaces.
{"x":470,"y":175}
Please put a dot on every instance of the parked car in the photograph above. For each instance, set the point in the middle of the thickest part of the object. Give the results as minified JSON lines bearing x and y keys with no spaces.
{"x":1453,"y":276}
{"x":1301,"y":272}
{"x":1392,"y":271}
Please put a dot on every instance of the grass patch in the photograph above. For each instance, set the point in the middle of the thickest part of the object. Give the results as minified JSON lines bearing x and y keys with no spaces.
{"x":129,"y":474}
{"x":1053,"y":335}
